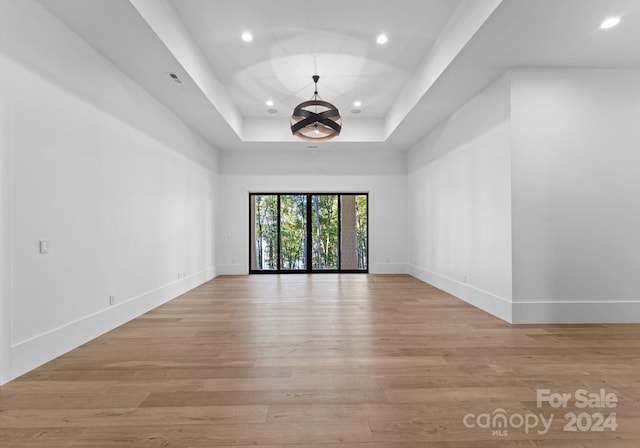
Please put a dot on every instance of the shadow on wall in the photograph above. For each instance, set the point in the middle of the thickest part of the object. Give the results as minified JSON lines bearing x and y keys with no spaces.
{"x":487,"y":111}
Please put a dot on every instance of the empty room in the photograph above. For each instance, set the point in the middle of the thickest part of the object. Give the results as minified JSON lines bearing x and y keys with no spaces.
{"x":356,"y":224}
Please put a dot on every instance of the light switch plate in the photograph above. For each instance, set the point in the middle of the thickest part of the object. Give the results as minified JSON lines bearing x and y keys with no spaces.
{"x":44,"y":246}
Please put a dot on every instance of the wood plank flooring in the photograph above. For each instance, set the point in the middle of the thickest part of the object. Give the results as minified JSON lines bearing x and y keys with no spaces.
{"x":312,"y":361}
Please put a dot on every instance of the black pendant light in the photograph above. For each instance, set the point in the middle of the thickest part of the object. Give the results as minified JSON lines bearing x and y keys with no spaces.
{"x":316,"y":120}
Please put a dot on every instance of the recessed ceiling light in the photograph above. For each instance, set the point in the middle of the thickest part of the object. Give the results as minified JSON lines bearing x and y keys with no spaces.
{"x":247,"y":36}
{"x":382,"y":39}
{"x":357,"y":103}
{"x":269,"y":103}
{"x":610,"y":23}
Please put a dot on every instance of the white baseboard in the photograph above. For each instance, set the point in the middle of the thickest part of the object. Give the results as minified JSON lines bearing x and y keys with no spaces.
{"x":33,"y":352}
{"x":535,"y":312}
{"x":545,"y":312}
{"x":388,"y":268}
{"x":492,"y":304}
{"x":232,"y":269}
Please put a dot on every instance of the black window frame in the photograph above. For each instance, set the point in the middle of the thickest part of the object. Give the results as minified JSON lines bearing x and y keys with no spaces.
{"x":308,"y":261}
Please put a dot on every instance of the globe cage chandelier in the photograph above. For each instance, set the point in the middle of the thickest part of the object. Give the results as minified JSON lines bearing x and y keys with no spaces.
{"x":316,"y":120}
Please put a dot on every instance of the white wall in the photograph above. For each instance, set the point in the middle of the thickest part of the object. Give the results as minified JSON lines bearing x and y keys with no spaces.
{"x":319,"y":171}
{"x":524,"y":201}
{"x":459,"y":203}
{"x":5,"y":243}
{"x":322,"y":161}
{"x":122,"y":190}
{"x":382,"y":175}
{"x":387,"y":215}
{"x":576,"y":213}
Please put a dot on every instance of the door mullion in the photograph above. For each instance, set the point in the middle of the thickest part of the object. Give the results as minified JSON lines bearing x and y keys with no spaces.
{"x":339,"y":264}
{"x":309,"y":230}
{"x":279,"y":236}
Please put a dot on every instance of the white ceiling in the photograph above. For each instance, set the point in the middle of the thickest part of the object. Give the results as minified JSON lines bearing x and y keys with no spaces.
{"x":335,"y":38}
{"x":440,"y":53}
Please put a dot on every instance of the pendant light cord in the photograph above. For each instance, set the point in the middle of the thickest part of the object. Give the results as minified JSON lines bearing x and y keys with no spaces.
{"x":315,"y":77}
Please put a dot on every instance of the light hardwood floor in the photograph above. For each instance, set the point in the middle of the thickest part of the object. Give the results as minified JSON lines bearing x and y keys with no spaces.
{"x":323,"y":361}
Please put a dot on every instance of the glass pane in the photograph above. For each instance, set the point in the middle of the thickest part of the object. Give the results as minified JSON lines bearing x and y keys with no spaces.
{"x":264,"y":211}
{"x":293,"y":232}
{"x":324,"y":234}
{"x":353,"y":236}
{"x":348,"y":234}
{"x":361,"y":231}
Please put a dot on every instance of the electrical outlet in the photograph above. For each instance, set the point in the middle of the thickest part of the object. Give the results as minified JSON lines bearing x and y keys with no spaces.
{"x":464,"y":279}
{"x":44,"y":246}
{"x":112,"y":299}
{"x":184,"y":274}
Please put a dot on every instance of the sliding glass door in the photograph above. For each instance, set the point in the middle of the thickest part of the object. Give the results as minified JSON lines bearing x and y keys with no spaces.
{"x":324,"y":232}
{"x":264,"y":226}
{"x":307,"y":232}
{"x":293,"y":232}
